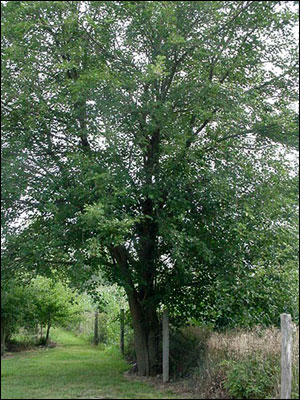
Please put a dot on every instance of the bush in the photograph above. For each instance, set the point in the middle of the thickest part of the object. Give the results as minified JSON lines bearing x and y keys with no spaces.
{"x":16,"y":304}
{"x":242,"y":364}
{"x":129,"y":350}
{"x":252,"y":378}
{"x":41,"y":341}
{"x":187,"y":349}
{"x":18,"y":343}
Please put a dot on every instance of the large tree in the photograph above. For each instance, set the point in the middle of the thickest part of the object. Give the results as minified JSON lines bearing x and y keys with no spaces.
{"x":138,"y":137}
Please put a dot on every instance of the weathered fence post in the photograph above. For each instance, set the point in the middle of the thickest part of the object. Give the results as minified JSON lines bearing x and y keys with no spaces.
{"x":165,"y":326}
{"x":286,"y":356}
{"x":96,"y":333}
{"x":122,"y":319}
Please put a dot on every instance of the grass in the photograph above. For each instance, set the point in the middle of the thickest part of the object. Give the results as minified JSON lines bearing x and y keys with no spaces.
{"x":75,"y":369}
{"x":72,"y":370}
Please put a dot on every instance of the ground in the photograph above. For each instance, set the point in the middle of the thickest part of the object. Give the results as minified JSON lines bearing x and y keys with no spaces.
{"x":73,"y":370}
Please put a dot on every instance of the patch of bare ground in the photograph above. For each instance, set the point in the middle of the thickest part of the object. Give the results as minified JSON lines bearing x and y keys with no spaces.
{"x":179,"y":388}
{"x":25,"y":349}
{"x":7,"y":355}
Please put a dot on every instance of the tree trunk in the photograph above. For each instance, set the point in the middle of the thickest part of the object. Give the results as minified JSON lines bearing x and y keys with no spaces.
{"x":47,"y":334}
{"x":96,"y":333}
{"x":146,"y":333}
{"x":142,"y":302}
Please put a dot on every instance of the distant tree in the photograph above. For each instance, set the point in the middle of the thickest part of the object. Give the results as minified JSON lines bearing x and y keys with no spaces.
{"x":140,"y":138}
{"x":42,"y":301}
{"x":54,"y":304}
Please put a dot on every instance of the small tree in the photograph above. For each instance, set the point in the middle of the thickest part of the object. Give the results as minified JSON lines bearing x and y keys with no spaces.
{"x":53,"y":303}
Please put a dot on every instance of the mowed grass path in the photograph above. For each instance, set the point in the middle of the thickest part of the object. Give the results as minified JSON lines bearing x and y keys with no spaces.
{"x":72,"y":370}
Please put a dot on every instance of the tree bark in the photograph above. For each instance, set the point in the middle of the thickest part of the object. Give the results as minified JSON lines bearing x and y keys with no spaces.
{"x":141,"y":298}
{"x":96,"y":329}
{"x":48,"y":332}
{"x":146,"y":333}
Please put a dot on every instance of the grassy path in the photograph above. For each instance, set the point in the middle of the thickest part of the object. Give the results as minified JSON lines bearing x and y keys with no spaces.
{"x":73,"y":370}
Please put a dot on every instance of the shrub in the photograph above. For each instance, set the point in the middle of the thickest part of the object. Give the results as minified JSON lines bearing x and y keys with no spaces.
{"x":18,"y":343}
{"x":41,"y":341}
{"x":242,"y":364}
{"x":187,"y":349}
{"x":129,"y":350}
{"x":252,"y":378}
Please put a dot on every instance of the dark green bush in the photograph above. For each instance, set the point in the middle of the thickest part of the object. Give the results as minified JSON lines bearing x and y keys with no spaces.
{"x":187,"y":349}
{"x":41,"y":341}
{"x":22,"y":343}
{"x":129,"y":350}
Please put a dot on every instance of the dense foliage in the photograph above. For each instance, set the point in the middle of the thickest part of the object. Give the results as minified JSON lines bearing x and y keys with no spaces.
{"x":41,"y":303}
{"x":149,"y":140}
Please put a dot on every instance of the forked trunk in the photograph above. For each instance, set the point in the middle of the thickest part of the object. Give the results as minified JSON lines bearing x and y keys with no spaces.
{"x":146,"y":333}
{"x":143,"y":310}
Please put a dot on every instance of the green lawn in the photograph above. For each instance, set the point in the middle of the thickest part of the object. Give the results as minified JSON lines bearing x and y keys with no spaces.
{"x":73,"y":370}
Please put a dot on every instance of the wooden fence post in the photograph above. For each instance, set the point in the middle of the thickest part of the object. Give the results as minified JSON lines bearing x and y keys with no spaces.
{"x":286,"y":356}
{"x":96,"y":330}
{"x":122,"y":323}
{"x":165,"y":326}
